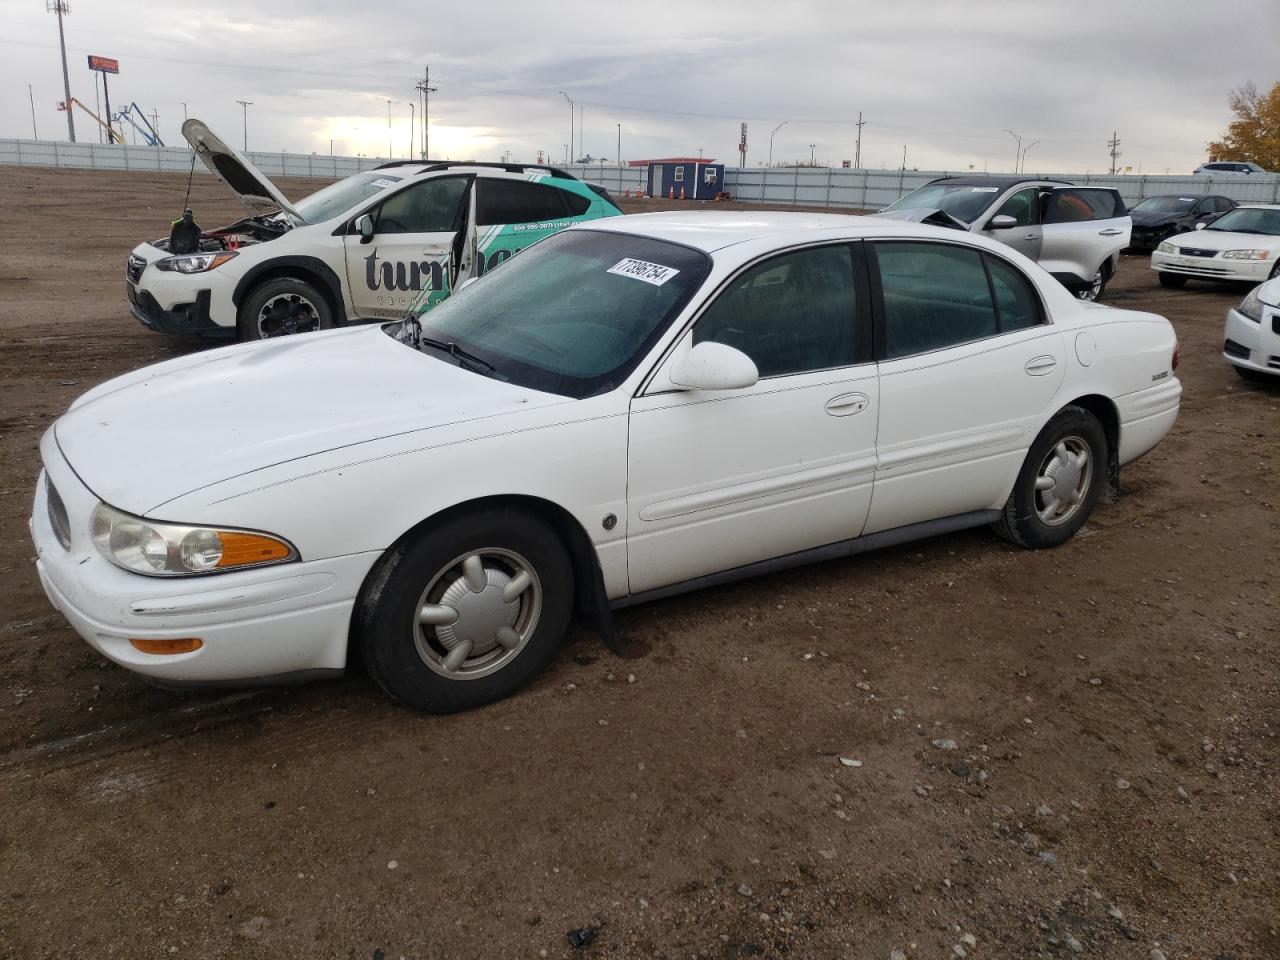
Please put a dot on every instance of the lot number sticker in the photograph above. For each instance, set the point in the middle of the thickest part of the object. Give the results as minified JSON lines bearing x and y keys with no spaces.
{"x":654,"y":273}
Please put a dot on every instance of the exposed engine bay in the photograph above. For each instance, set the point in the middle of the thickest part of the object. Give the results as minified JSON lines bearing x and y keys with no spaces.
{"x":185,"y":236}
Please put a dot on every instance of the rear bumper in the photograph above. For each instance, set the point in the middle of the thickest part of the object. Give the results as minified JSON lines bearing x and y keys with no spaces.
{"x":1252,"y":345}
{"x":1146,"y":416}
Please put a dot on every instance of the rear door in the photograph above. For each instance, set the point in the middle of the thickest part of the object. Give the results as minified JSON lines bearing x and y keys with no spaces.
{"x":1026,"y":236}
{"x":1084,"y":227}
{"x":410,"y":260}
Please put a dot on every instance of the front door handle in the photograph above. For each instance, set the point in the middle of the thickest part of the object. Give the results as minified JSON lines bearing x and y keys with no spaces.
{"x":1110,"y":232}
{"x":1039,"y":366}
{"x":847,"y":404}
{"x":1029,"y":236}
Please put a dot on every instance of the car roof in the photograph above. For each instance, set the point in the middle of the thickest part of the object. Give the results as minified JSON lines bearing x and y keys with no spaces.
{"x":1258,"y":206}
{"x":710,"y":231}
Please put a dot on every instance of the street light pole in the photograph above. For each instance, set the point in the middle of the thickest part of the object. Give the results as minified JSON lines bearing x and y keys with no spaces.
{"x":811,"y":162}
{"x":569,"y":149}
{"x":1024,"y":153}
{"x":619,"y":144}
{"x":409,"y":155}
{"x":1017,"y":153}
{"x":775,"y":130}
{"x":245,"y":105}
{"x":389,"y":148}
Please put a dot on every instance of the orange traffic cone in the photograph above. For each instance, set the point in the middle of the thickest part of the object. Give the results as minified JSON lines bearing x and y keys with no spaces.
{"x":671,"y":193}
{"x":682,"y":193}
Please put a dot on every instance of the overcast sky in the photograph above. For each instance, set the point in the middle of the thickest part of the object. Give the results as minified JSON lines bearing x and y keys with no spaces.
{"x":943,"y":79}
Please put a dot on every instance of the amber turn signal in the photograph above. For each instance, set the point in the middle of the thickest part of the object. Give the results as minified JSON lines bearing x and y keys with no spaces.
{"x":164,"y":647}
{"x":245,"y":549}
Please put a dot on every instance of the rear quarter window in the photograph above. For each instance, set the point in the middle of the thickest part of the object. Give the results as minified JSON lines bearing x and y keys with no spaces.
{"x":1081,"y":204}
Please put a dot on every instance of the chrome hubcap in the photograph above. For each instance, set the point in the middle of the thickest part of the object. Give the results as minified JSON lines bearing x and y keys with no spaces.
{"x":1063,"y":481}
{"x":287,"y":313}
{"x":1095,"y":288}
{"x":477,"y":614}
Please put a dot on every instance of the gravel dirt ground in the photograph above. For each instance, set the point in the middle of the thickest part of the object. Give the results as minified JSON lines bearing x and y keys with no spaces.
{"x":1062,"y":753}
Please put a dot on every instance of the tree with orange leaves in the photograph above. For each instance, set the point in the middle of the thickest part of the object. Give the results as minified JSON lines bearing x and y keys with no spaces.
{"x":1254,"y":134}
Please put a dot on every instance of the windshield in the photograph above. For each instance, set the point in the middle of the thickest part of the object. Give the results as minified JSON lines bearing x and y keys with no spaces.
{"x":338,"y":198}
{"x":1248,"y":220}
{"x":962,"y":202}
{"x":573,"y":314}
{"x":1165,"y":205}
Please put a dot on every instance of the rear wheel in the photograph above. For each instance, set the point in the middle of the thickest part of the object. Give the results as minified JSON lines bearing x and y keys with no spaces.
{"x":1096,"y":286}
{"x":468,"y":612}
{"x":1059,"y":483}
{"x":1173,"y":281}
{"x":281,"y":307}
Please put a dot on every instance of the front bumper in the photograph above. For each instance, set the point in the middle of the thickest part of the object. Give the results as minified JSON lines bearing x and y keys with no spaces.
{"x":1250,"y":344}
{"x":1212,"y":268}
{"x":197,"y":304}
{"x":255,"y":625}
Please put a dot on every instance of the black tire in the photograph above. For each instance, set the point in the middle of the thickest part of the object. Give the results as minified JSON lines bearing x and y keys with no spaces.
{"x":291,"y":306}
{"x":1173,"y":281}
{"x":399,"y":652}
{"x":1020,"y":522}
{"x":1250,"y":375}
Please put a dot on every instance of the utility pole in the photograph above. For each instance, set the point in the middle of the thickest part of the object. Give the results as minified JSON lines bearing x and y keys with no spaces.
{"x":1113,"y":145}
{"x":409,"y":155}
{"x":619,"y":144}
{"x":155,"y":122}
{"x":857,"y":150}
{"x":245,"y":105}
{"x":582,"y":149}
{"x":61,"y":9}
{"x":426,"y":89}
{"x":30,"y":96}
{"x":389,"y":148}
{"x":184,"y":111}
{"x":569,"y":149}
{"x":1017,"y":153}
{"x":904,"y":156}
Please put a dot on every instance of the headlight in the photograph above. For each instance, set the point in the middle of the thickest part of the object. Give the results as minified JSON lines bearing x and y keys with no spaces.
{"x":1251,"y":306}
{"x":172,"y":550}
{"x":1247,"y":255}
{"x":195,"y":262}
{"x":1167,"y":247}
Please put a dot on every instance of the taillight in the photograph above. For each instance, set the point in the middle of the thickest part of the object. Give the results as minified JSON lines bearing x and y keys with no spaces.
{"x":1177,"y":354}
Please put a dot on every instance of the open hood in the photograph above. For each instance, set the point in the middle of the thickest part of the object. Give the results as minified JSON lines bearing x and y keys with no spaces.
{"x":932,"y":217}
{"x":256,"y":193}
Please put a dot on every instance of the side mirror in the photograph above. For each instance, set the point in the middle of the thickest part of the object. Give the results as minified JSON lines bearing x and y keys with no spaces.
{"x":364,"y":227}
{"x":1200,"y":226}
{"x":714,"y":366}
{"x":1002,"y":221}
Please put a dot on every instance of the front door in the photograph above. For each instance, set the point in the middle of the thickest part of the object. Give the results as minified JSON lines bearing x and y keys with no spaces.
{"x":718,"y":479}
{"x":1026,"y":235}
{"x":411,"y":259}
{"x":964,"y":379}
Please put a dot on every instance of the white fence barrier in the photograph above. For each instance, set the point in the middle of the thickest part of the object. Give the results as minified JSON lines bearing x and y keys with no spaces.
{"x":818,"y":187}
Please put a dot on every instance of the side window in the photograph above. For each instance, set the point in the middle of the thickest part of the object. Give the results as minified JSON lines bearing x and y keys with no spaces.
{"x":427,"y":207}
{"x":679,"y":174}
{"x":576,"y":203}
{"x":1076,"y":205}
{"x":1225,"y":204}
{"x":516,"y":201}
{"x":935,"y":296}
{"x":1016,"y":299}
{"x":1022,"y":207}
{"x":791,"y":314}
{"x":1205,"y":206}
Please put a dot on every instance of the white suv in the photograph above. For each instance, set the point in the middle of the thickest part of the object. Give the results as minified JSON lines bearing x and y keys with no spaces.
{"x":375,"y":245}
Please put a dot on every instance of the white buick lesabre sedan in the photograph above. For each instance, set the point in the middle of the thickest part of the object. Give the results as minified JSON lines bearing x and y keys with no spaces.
{"x":625,"y":411}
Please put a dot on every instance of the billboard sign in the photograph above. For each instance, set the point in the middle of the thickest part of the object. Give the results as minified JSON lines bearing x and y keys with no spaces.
{"x":104,"y":64}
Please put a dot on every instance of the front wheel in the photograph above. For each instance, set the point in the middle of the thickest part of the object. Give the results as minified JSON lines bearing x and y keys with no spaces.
{"x":1059,"y":483}
{"x":281,"y":307}
{"x":1173,"y":281}
{"x":468,"y":612}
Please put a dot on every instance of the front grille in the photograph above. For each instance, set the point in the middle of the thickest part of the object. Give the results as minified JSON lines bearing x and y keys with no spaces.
{"x":134,"y":267}
{"x":57,"y":514}
{"x":1196,"y":252}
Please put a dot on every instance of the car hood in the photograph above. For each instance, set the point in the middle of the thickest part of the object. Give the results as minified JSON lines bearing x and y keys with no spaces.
{"x":1225,"y":240}
{"x":927,"y":215}
{"x":1143,"y":219}
{"x":173,"y":428}
{"x":256,"y":193}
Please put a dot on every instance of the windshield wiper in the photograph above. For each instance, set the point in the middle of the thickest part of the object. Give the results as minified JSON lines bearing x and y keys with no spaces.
{"x":465,"y":359}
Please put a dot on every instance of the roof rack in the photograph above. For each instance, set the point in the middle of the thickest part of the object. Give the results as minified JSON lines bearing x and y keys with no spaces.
{"x":433,"y":165}
{"x":1000,"y":178}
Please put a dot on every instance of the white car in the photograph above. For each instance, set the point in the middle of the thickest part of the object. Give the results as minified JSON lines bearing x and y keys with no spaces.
{"x":1242,"y":244}
{"x":375,"y":245}
{"x":1251,"y":338}
{"x":1227,"y":168}
{"x":624,"y":412}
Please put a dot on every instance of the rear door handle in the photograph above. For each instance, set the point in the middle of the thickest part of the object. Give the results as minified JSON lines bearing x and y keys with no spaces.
{"x":1039,"y":366}
{"x":847,"y":404}
{"x":1111,"y":232}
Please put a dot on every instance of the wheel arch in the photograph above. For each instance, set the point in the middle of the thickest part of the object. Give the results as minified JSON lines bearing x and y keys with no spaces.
{"x":309,"y":269}
{"x":591,"y":601}
{"x":1108,"y":415}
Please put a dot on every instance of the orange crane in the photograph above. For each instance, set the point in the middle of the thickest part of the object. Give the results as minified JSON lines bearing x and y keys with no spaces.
{"x":112,"y":135}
